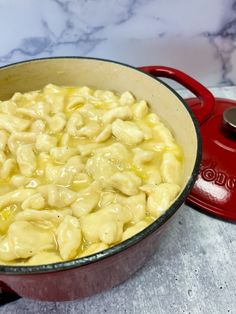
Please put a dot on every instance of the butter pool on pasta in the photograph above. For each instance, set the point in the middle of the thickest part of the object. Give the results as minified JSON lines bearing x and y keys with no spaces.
{"x":81,"y":170}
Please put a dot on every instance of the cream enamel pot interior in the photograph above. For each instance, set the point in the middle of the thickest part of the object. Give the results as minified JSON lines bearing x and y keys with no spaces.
{"x":85,"y":276}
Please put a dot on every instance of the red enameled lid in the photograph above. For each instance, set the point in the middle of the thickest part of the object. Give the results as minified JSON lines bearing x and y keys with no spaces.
{"x":214,"y":191}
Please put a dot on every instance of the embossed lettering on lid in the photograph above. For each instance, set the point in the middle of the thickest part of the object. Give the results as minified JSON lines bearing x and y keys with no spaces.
{"x":214,"y":191}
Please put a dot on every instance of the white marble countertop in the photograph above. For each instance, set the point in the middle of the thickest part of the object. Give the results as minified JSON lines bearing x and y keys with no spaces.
{"x":193,"y":272}
{"x":197,"y":37}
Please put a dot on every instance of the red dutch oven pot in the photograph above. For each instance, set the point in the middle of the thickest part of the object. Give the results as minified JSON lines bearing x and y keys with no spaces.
{"x":86,"y":276}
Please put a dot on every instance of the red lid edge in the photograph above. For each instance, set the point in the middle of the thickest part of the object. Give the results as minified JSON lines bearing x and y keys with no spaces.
{"x":209,"y":209}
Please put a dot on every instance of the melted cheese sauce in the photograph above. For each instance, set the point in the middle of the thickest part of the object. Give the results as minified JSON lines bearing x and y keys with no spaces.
{"x":81,"y":170}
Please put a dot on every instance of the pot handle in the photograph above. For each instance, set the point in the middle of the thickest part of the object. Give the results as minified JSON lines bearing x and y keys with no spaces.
{"x":202,"y":112}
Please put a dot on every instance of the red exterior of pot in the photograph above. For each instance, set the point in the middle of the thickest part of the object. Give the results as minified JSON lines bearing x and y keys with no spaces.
{"x":84,"y":281}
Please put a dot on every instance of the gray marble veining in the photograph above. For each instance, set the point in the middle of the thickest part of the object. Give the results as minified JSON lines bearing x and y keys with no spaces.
{"x":195,"y":36}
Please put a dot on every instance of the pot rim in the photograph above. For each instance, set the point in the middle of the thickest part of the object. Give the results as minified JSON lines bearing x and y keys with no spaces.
{"x":46,"y":268}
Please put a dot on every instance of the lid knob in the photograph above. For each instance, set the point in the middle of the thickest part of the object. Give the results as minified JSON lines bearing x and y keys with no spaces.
{"x":229,"y":116}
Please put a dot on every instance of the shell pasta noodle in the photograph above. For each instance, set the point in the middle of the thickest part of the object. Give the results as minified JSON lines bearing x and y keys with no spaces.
{"x":80,"y":171}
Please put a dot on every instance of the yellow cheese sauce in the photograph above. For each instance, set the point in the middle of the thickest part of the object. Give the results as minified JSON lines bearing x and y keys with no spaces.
{"x":81,"y":170}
